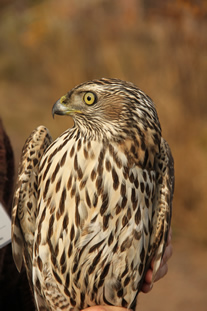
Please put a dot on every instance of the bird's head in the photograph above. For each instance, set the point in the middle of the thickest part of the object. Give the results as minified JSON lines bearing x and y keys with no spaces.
{"x":108,"y":106}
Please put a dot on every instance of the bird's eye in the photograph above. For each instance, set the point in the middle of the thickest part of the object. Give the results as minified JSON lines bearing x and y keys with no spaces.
{"x":89,"y":98}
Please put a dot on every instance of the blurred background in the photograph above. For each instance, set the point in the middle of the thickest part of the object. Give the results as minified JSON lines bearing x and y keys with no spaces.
{"x":48,"y":47}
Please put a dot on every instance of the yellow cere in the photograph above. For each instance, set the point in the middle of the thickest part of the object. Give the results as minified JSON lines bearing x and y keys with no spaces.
{"x":63,"y":98}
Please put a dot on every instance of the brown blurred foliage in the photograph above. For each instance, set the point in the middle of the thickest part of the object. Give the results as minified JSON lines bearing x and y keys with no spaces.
{"x":47,"y":47}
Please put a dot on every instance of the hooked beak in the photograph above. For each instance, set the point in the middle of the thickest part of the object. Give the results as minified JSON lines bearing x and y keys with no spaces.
{"x":59,"y":108}
{"x":62,"y":107}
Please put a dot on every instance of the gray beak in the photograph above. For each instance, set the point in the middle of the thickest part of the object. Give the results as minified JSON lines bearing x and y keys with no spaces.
{"x":59,"y":108}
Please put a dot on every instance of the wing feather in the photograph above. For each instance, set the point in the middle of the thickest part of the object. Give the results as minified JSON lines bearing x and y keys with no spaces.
{"x":163,"y":204}
{"x":162,"y":210}
{"x":25,"y":198}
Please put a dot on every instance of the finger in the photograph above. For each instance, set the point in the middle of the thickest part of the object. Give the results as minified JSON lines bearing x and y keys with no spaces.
{"x":105,"y":308}
{"x":167,"y":254}
{"x":169,"y":239}
{"x":148,"y":277}
{"x":146,"y":288}
{"x":161,"y":272}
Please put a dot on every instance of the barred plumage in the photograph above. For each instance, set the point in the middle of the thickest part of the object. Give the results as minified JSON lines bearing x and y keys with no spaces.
{"x":93,"y":208}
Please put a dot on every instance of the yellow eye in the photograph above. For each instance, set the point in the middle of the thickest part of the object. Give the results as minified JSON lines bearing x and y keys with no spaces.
{"x":89,"y":98}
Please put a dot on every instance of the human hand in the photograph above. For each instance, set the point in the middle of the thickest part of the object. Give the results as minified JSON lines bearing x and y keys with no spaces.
{"x":147,"y":286}
{"x":105,"y":308}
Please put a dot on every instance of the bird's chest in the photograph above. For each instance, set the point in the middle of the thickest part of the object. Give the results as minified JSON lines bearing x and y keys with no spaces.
{"x":93,"y":210}
{"x":87,"y":178}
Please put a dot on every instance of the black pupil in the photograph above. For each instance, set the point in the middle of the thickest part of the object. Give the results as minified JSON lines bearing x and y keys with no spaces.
{"x":89,"y":98}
